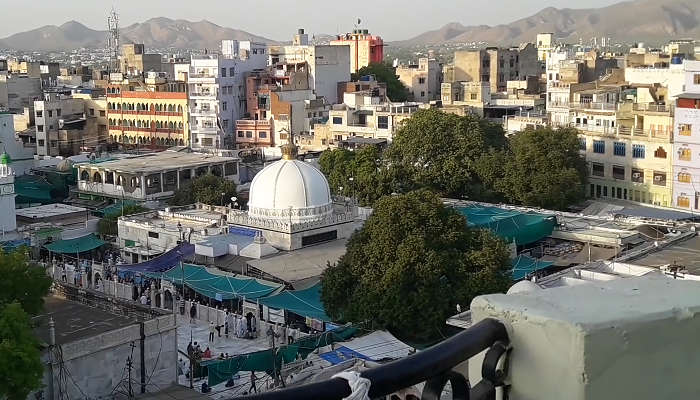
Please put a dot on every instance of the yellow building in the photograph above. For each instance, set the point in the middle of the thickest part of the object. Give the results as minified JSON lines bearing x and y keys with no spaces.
{"x":153,"y":119}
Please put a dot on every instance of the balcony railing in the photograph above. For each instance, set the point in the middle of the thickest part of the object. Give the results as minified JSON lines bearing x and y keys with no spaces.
{"x":594,"y":106}
{"x":433,"y":366}
{"x":652,"y":107}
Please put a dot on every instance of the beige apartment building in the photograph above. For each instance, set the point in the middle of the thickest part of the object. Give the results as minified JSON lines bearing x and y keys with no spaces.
{"x":135,"y":61}
{"x":494,"y":65}
{"x":422,"y":80}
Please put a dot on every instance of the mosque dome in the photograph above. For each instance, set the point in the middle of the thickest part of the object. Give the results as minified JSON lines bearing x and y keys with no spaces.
{"x":524,"y":286}
{"x":290,"y":189}
{"x":5,"y":159}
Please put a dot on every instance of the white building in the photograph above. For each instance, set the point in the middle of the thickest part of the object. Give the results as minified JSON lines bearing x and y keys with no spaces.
{"x":50,"y":114}
{"x":8,"y":219}
{"x":686,"y":142}
{"x":217,"y":95}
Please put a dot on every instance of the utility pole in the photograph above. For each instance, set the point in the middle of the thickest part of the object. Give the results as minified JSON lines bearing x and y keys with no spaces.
{"x":52,"y":344}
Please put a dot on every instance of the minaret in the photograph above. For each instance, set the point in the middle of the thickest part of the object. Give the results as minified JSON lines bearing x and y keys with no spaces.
{"x":289,"y":150}
{"x":8,"y":218}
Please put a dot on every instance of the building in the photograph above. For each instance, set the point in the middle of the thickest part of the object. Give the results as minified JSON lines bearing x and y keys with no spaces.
{"x":364,"y":48}
{"x":291,"y":207}
{"x":150,"y":176}
{"x":20,"y":153}
{"x":18,"y":92}
{"x":686,"y":142}
{"x":495,"y":65}
{"x":217,"y":87}
{"x":148,"y":118}
{"x":545,"y":45}
{"x":422,"y":80}
{"x":68,"y":124}
{"x":8,"y":221}
{"x":134,"y":61}
{"x":327,"y":65}
{"x":365,"y":84}
{"x":684,"y":48}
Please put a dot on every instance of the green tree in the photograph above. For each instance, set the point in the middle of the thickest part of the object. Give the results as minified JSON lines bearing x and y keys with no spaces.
{"x":108,"y":224}
{"x":446,"y":153}
{"x":359,"y":173}
{"x":544,"y":168}
{"x":20,"y":359}
{"x":22,"y":281}
{"x":384,"y":72}
{"x":410,"y":264}
{"x":205,"y":189}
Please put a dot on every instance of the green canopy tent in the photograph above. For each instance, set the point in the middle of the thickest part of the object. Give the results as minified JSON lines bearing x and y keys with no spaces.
{"x":77,"y":245}
{"x":216,"y":286}
{"x":524,"y":266}
{"x":511,"y":225}
{"x":306,"y":302}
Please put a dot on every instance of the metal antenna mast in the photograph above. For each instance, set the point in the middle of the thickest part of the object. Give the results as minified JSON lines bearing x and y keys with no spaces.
{"x":113,"y":40}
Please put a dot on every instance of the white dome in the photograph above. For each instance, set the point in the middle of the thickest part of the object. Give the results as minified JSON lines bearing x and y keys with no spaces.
{"x":290,"y":189}
{"x":524,"y":286}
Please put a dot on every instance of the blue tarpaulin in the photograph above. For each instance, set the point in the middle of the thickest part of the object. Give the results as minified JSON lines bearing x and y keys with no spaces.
{"x":163,"y":262}
{"x":524,"y":266}
{"x":341,"y":354}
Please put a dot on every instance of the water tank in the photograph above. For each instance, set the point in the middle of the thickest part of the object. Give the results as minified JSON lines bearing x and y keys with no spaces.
{"x":676,"y":60}
{"x":366,"y":31}
{"x":300,"y":31}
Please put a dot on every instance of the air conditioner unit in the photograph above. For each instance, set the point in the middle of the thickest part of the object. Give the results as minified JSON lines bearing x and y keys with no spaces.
{"x":658,"y":178}
{"x":636,"y":175}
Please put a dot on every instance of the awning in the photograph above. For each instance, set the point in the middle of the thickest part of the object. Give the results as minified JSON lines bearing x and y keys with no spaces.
{"x":306,"y":303}
{"x":524,"y":266}
{"x":220,"y":287}
{"x":77,"y":245}
{"x":164,"y":262}
{"x":524,"y":228}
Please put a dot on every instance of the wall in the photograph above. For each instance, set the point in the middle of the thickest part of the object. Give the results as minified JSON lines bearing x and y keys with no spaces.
{"x":467,"y":65}
{"x":330,"y":65}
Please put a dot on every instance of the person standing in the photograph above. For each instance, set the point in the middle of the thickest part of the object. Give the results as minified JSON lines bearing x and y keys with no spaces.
{"x":252,"y":382}
{"x":212,"y":327}
{"x":193,"y":313}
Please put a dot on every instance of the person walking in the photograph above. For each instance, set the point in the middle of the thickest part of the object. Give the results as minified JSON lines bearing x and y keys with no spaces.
{"x":252,"y":382}
{"x":193,"y":313}
{"x":212,"y":327}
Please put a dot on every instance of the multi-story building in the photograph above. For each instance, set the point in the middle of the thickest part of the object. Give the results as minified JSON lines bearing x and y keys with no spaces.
{"x":134,"y":61}
{"x":18,"y":91}
{"x":67,"y":124}
{"x":422,"y":80}
{"x":365,"y":83}
{"x":364,"y":48}
{"x":148,"y":118}
{"x":545,"y":45}
{"x":686,"y":142}
{"x":495,"y":65}
{"x":218,"y":93}
{"x":327,"y":65}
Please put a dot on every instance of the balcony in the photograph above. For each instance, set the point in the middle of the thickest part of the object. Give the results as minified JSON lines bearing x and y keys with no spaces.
{"x":653,"y":108}
{"x":252,"y":124}
{"x":204,"y":94}
{"x":594,"y":106}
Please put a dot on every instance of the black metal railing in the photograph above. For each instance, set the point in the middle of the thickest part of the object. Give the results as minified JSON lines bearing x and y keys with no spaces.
{"x":434,"y":366}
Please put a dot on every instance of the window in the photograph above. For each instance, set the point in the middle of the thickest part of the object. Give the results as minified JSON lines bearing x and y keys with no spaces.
{"x":207,"y":142}
{"x":223,"y":72}
{"x":40,"y":142}
{"x":40,"y":128}
{"x":660,"y":153}
{"x":696,"y":79}
{"x":619,"y":149}
{"x":224,"y":106}
{"x":637,"y":175}
{"x":92,"y":111}
{"x":240,"y":133}
{"x":383,"y":122}
{"x":685,"y":129}
{"x":683,"y":201}
{"x":638,"y":151}
{"x":422,"y":94}
{"x":50,"y":113}
{"x":153,"y":235}
{"x":39,"y":113}
{"x":598,"y":169}
{"x":684,"y":154}
{"x":225,"y":124}
{"x":485,"y":78}
{"x":684,"y":177}
{"x":659,"y":178}
{"x":599,"y":146}
{"x":262,"y":135}
{"x":230,"y":73}
{"x":102,"y":113}
{"x":337,"y":120}
{"x":249,"y":134}
{"x":58,"y":112}
{"x":618,"y":172}
{"x":582,"y":143}
{"x":473,"y":96}
{"x":421,"y":80}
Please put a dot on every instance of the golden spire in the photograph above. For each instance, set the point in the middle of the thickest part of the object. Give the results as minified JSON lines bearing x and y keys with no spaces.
{"x":289,"y":150}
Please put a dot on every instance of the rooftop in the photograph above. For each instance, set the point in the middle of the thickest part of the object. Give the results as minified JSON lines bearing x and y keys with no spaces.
{"x":156,"y":162}
{"x":49,"y":210}
{"x":75,"y":321}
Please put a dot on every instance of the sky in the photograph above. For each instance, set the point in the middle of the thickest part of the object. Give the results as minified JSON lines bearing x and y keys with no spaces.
{"x":279,"y":19}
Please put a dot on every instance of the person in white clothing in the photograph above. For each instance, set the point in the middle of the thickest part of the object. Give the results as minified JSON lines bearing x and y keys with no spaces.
{"x":143,"y":299}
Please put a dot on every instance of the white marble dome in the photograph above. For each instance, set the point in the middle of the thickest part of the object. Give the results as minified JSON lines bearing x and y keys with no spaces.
{"x":290,"y":190}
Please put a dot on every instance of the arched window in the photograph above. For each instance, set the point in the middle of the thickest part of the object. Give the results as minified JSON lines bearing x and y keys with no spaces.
{"x":179,"y":126}
{"x":660,"y":153}
{"x":97,"y":177}
{"x":182,"y":143}
{"x":179,"y":108}
{"x":170,"y":108}
{"x":119,"y":106}
{"x":170,"y":125}
{"x":134,"y":182}
{"x":684,"y":177}
{"x":124,"y":106}
{"x":85,"y":176}
{"x":120,"y":180}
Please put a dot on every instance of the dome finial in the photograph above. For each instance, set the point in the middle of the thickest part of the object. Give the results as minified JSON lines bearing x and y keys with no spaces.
{"x":289,"y":150}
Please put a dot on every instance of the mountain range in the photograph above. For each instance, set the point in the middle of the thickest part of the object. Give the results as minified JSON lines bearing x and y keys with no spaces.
{"x":630,"y":21}
{"x":154,"y":33}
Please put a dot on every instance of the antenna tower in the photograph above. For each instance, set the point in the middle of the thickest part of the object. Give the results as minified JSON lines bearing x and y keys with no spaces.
{"x":113,"y":40}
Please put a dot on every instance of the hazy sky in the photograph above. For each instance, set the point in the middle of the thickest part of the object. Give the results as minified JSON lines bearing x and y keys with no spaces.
{"x":278,"y":19}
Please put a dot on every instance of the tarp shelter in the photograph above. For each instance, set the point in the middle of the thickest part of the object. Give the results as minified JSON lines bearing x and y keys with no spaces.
{"x":220,"y":287}
{"x":116,"y":208}
{"x":524,"y":266}
{"x":163,"y":262}
{"x":77,"y":245}
{"x":524,"y":228}
{"x":306,"y":302}
{"x":221,"y":370}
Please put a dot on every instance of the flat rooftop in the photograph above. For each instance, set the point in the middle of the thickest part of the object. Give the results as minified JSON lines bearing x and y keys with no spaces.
{"x":685,"y":253}
{"x":75,"y":321}
{"x":49,"y":210}
{"x":156,"y":162}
